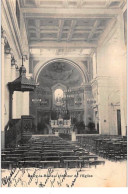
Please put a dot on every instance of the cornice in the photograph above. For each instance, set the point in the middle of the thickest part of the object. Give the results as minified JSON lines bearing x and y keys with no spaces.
{"x":13,"y":26}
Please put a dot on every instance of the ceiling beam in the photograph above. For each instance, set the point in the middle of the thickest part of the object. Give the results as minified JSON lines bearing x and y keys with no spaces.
{"x":21,"y":3}
{"x":48,"y":31}
{"x":93,"y":29}
{"x":65,"y":3}
{"x":108,"y":2}
{"x":79,"y":3}
{"x":107,"y":31}
{"x":61,"y":24}
{"x":62,"y":44}
{"x":38,"y":29}
{"x":37,"y":3}
{"x":86,"y":31}
{"x":73,"y":24}
{"x":69,"y":13}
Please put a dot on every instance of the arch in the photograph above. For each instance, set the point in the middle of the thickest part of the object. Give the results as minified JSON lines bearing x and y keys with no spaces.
{"x":59,"y":85}
{"x":40,"y":66}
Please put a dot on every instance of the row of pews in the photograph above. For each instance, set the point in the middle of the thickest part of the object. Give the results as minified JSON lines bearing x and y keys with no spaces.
{"x":110,"y":147}
{"x":48,"y":151}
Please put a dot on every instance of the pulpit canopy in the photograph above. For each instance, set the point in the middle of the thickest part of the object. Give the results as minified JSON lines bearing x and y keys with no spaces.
{"x":22,"y":83}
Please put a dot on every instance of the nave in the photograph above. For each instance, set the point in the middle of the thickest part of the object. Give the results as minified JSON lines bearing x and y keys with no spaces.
{"x":44,"y":151}
{"x":48,"y":151}
{"x":64,"y":94}
{"x":50,"y":161}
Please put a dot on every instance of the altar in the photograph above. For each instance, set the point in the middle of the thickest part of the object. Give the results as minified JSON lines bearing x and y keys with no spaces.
{"x":60,"y":117}
{"x":60,"y":125}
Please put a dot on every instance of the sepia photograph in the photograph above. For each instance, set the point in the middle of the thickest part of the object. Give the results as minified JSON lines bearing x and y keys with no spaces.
{"x":63,"y":93}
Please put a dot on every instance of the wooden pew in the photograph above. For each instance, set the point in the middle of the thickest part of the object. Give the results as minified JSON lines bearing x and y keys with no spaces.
{"x":73,"y":163}
{"x":8,"y":164}
{"x":51,"y":158}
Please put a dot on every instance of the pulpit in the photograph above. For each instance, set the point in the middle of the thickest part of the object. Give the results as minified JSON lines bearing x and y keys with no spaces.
{"x":26,"y":123}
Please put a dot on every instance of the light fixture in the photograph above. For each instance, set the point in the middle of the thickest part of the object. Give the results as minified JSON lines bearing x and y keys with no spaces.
{"x":91,"y":101}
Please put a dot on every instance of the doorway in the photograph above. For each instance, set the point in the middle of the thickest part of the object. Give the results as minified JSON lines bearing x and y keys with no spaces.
{"x":118,"y":122}
{"x":43,"y":118}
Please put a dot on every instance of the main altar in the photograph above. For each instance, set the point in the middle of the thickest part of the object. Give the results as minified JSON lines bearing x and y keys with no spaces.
{"x":61,"y":125}
{"x":60,"y":117}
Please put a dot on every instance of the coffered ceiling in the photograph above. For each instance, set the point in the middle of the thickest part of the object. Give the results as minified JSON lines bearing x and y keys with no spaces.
{"x":72,"y":3}
{"x":68,"y":23}
{"x":46,"y":29}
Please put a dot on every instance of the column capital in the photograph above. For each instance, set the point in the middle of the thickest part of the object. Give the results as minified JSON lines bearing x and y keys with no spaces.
{"x":87,"y":87}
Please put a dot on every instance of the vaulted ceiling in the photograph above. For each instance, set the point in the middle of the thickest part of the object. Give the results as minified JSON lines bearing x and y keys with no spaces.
{"x":60,"y":72}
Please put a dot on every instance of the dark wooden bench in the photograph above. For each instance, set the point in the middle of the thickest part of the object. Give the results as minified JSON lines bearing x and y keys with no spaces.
{"x":8,"y":164}
{"x":73,"y":163}
{"x":18,"y":151}
{"x":50,"y":158}
{"x":6,"y":152}
{"x":65,"y":152}
{"x":96,"y":162}
{"x":12,"y":158}
{"x":46,"y":164}
{"x":39,"y":164}
{"x":28,"y":163}
{"x":69,"y":157}
{"x":89,"y":157}
{"x":15,"y":155}
{"x":35,"y":148}
{"x":32,"y":158}
{"x":31,"y":153}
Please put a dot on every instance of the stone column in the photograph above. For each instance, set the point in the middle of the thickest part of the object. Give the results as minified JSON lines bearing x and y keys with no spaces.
{"x":88,"y":112}
{"x":95,"y":119}
{"x":85,"y":108}
{"x":18,"y":103}
{"x":3,"y":39}
{"x":103,"y":106}
{"x":123,"y":74}
{"x":7,"y":72}
{"x":13,"y":77}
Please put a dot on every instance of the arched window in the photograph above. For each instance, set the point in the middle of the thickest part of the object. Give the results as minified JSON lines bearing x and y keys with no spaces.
{"x":59,"y":94}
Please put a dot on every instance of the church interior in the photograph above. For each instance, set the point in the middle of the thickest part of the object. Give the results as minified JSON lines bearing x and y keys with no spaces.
{"x":63,"y":66}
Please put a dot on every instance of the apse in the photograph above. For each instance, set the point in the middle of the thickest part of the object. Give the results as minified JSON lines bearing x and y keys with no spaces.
{"x":58,"y":101}
{"x":60,"y":72}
